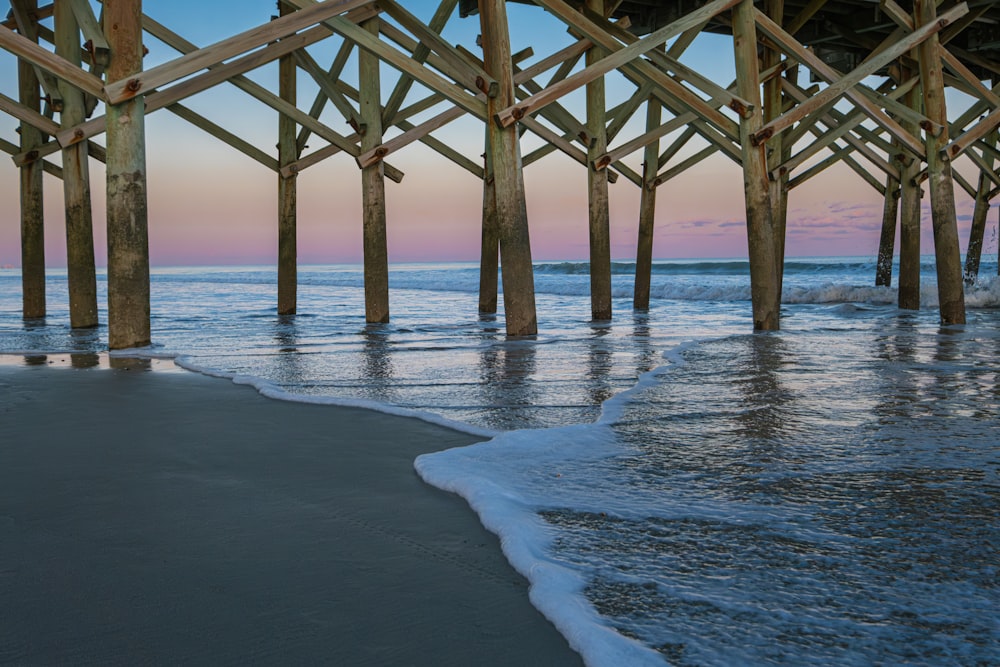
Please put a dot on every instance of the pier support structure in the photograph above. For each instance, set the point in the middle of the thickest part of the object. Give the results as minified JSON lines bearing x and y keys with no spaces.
{"x":127,"y":200}
{"x":32,"y":204}
{"x":899,"y":128}
{"x":505,"y":149}
{"x":951,"y":294}
{"x":757,"y":189}
{"x":489,"y":265}
{"x":908,"y":297}
{"x":376,"y":255}
{"x":597,"y":187}
{"x":287,"y":187}
{"x":80,"y":268}
{"x":977,"y":231}
{"x":647,"y":210}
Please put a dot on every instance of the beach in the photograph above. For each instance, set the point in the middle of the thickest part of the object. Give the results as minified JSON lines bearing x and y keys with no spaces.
{"x":673,"y":488}
{"x":150,"y":515}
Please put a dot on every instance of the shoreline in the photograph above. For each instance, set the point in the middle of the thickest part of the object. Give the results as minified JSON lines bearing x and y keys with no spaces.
{"x":170,"y":516}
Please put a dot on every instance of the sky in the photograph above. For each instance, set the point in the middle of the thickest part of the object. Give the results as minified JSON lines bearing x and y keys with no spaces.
{"x":209,"y":204}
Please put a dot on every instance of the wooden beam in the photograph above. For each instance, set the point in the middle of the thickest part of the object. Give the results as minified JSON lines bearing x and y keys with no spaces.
{"x":32,"y":201}
{"x":597,"y":186}
{"x":791,"y":47}
{"x":951,"y":293}
{"x":887,"y":238}
{"x":81,"y":271}
{"x":647,"y":211}
{"x":319,"y":102}
{"x":469,"y":74}
{"x":400,"y":61}
{"x":288,"y":253}
{"x":512,"y":213}
{"x":96,"y":45}
{"x":977,"y":230}
{"x":143,"y":82}
{"x":376,"y":258}
{"x":127,"y":208}
{"x":841,"y":85}
{"x":25,"y":19}
{"x":760,"y":234}
{"x":48,"y":167}
{"x":437,"y":23}
{"x":618,"y":56}
{"x":33,"y":53}
{"x":908,"y":294}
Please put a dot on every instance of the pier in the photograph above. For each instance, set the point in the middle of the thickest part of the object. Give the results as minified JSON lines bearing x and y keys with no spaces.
{"x":861,"y":83}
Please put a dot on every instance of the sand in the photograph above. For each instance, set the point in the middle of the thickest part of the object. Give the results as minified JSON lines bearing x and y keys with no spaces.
{"x":160,"y":516}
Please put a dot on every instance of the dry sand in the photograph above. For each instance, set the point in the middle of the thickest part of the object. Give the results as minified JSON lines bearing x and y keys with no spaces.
{"x":168,"y":518}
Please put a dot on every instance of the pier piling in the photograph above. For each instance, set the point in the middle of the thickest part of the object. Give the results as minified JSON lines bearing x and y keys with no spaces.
{"x":127,"y":199}
{"x":80,"y":267}
{"x":287,"y":187}
{"x":376,"y":256}
{"x":32,"y":203}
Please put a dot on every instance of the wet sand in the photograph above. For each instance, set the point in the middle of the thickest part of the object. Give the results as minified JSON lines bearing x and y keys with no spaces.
{"x":151,"y":517}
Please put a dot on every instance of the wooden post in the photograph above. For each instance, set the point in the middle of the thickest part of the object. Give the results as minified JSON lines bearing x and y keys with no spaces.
{"x":512,"y":213}
{"x":760,"y":234}
{"x":287,"y":187}
{"x":909,"y":214}
{"x":128,"y":242}
{"x":32,"y":208}
{"x":490,"y":248}
{"x":373,"y":185}
{"x":597,"y":188}
{"x":977,"y":232}
{"x":887,"y":240}
{"x":80,"y":269}
{"x":777,"y":149}
{"x":951,"y":293}
{"x":647,"y":211}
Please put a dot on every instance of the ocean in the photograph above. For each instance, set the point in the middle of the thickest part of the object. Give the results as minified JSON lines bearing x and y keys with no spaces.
{"x":677,"y":489}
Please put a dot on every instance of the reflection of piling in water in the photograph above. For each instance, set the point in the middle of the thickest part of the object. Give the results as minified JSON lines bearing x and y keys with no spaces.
{"x":778,"y":132}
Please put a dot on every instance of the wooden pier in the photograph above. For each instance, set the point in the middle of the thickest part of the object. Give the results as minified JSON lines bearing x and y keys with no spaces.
{"x":859,"y":83}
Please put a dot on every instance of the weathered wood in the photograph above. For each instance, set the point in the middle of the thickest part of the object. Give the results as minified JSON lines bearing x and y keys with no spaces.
{"x":977,"y":230}
{"x":951,"y":293}
{"x":400,"y":61}
{"x":376,"y":257}
{"x":792,"y":47}
{"x":647,"y":212}
{"x":617,"y":58}
{"x":420,"y":53}
{"x":123,"y":89}
{"x":887,"y":239}
{"x":760,"y":233}
{"x":28,"y":50}
{"x":908,"y":297}
{"x":597,"y":188}
{"x":47,"y":167}
{"x":465,"y":72}
{"x":489,"y":259}
{"x":80,"y":269}
{"x":319,"y":102}
{"x":512,"y":213}
{"x":32,"y":201}
{"x":96,"y":45}
{"x":25,"y":17}
{"x":127,"y":207}
{"x":777,"y":146}
{"x":287,"y":187}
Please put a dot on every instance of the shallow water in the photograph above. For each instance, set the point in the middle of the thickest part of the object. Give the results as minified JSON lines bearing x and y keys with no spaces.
{"x":826,"y":494}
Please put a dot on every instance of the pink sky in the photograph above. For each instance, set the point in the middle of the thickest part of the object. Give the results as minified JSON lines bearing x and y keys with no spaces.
{"x":219,"y":210}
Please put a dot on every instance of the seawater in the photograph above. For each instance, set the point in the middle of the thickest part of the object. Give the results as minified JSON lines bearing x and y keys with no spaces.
{"x":677,"y":489}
